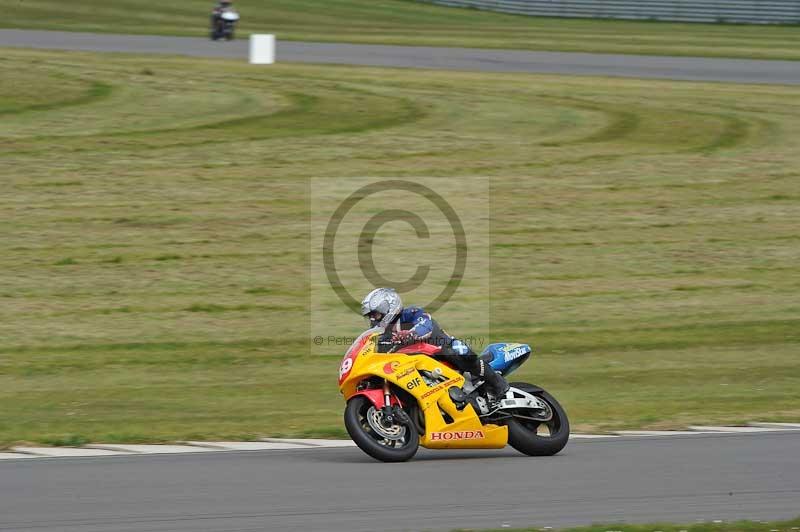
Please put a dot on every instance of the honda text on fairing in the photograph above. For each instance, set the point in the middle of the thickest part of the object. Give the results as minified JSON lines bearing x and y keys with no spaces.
{"x":400,"y":400}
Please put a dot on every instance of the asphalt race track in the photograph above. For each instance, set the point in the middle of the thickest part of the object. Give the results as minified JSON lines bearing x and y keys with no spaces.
{"x":679,"y":68}
{"x":632,"y":479}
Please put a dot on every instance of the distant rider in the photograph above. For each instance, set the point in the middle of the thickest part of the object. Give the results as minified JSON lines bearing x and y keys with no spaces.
{"x":403,"y":326}
{"x":216,"y":14}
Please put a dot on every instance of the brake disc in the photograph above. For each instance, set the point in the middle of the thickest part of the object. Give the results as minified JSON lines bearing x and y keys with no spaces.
{"x":375,"y":420}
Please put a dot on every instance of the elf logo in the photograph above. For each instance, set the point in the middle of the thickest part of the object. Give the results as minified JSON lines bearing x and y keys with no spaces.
{"x":457,"y":435}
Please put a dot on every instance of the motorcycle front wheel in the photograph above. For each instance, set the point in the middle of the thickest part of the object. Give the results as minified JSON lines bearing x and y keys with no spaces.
{"x":365,"y":424}
{"x":539,"y":438}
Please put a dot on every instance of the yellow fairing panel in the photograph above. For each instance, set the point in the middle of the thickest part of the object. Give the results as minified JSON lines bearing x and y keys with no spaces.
{"x":446,"y":427}
{"x":465,"y":431}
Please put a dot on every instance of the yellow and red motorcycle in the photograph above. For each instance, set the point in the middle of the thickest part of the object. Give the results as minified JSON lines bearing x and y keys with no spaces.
{"x":400,"y":400}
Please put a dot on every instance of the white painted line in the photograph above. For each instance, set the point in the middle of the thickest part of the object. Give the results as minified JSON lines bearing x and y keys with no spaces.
{"x":245,"y":445}
{"x":782,"y":426}
{"x":730,"y":429}
{"x":11,"y":456}
{"x":661,"y":432}
{"x":64,"y":451}
{"x":312,"y":443}
{"x":153,"y":449}
{"x":108,"y":449}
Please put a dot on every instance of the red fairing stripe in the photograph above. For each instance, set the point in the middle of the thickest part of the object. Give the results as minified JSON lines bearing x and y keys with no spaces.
{"x":420,"y":347}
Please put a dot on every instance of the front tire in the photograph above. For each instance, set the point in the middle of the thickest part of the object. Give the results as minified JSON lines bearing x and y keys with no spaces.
{"x":539,"y":438}
{"x":397,"y":443}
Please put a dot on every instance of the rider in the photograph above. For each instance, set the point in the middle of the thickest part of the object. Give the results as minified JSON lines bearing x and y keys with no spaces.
{"x":220,"y":7}
{"x":402,"y":326}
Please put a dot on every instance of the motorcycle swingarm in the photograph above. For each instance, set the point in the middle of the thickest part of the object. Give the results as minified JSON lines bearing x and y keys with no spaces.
{"x":516,"y":398}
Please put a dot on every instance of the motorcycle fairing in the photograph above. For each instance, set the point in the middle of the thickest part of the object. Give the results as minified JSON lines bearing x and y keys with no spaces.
{"x":355,"y":349}
{"x":462,"y":429}
{"x":506,"y":357}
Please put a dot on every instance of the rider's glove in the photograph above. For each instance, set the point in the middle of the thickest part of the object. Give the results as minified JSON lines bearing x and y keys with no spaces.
{"x":402,"y":337}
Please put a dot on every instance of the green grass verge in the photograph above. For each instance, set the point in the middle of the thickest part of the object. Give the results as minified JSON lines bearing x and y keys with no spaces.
{"x":734,"y":526}
{"x":154,"y":228}
{"x":407,"y":22}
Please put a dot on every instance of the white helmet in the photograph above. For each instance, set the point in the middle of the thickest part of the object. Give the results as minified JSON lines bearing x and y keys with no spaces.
{"x":381,"y":306}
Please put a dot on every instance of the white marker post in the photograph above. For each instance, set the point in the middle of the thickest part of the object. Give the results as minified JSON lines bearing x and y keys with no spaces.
{"x":262,"y":49}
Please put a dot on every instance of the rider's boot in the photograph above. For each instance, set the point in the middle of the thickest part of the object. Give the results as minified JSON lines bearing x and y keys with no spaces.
{"x":495,"y":383}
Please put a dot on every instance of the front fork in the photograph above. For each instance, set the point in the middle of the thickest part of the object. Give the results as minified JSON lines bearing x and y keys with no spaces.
{"x":388,"y":415}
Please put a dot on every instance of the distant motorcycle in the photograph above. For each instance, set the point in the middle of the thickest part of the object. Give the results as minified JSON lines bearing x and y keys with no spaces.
{"x":224,"y":25}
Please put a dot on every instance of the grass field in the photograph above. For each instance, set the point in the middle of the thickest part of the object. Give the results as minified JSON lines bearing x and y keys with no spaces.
{"x":408,"y":22}
{"x":735,"y":526}
{"x":154,"y":228}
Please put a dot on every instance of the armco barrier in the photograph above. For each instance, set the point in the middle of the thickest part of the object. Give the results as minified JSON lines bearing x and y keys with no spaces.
{"x":735,"y":11}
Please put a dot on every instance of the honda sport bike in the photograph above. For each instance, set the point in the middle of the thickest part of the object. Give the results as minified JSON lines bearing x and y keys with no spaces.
{"x":400,"y":400}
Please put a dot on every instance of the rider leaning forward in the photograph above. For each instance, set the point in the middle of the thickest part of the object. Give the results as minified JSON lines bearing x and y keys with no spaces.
{"x":219,"y":8}
{"x":403,"y":326}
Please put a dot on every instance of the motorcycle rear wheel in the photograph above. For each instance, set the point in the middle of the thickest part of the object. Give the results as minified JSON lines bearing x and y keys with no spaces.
{"x":357,"y":415}
{"x":539,"y":438}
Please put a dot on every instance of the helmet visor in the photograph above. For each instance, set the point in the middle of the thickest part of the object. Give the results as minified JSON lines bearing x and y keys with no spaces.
{"x":374,"y":318}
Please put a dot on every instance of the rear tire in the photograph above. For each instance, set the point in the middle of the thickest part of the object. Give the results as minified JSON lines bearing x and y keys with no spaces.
{"x":357,"y":415}
{"x":535,"y":438}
